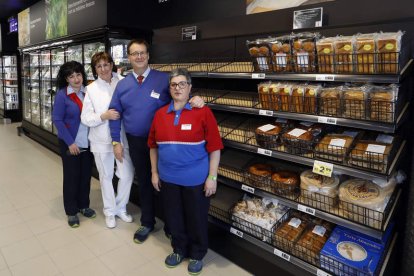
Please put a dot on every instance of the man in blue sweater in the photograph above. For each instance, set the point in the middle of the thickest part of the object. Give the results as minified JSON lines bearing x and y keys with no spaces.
{"x":137,"y":97}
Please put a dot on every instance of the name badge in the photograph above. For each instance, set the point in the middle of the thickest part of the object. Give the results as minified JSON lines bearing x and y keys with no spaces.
{"x":155,"y":94}
{"x":186,"y":127}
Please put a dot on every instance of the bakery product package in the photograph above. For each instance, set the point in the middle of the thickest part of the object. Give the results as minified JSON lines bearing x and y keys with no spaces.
{"x":382,"y":103}
{"x":281,"y":52}
{"x":285,"y":183}
{"x":257,"y":174}
{"x":344,"y":47}
{"x":260,"y":53}
{"x":297,"y":99}
{"x":268,"y":135}
{"x":285,"y":93}
{"x":389,"y":49}
{"x":319,"y":191}
{"x":371,"y":155}
{"x":304,"y":52}
{"x":365,"y":52}
{"x":348,"y":252}
{"x":311,"y":94}
{"x":325,"y":54}
{"x":334,"y":147}
{"x":355,"y":101}
{"x":275,"y":89}
{"x":330,"y":101}
{"x":264,"y":97}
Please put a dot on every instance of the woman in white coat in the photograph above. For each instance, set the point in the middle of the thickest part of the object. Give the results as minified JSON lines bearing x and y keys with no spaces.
{"x":96,"y":115}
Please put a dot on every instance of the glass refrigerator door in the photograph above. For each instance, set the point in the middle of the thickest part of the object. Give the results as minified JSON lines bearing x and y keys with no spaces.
{"x":1,"y":88}
{"x":45,"y":87}
{"x":57,"y":59}
{"x":10,"y":82}
{"x":74,"y":53}
{"x":27,"y":115}
{"x":34,"y":86}
{"x":89,"y":50}
{"x":119,"y":54}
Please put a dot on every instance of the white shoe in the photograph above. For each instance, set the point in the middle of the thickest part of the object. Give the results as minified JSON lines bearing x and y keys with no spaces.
{"x":110,"y":221}
{"x":125,"y":217}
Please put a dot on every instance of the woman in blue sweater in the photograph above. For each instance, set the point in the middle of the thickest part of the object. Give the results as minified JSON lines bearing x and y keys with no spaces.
{"x":73,"y":141}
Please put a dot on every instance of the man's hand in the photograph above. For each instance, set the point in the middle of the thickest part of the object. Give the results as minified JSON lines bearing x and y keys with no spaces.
{"x":155,"y":179}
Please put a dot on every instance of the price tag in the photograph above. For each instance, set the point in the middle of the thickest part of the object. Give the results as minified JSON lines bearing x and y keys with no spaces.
{"x":266,"y":112}
{"x":325,"y":77}
{"x":322,"y":168}
{"x":258,"y":76}
{"x":264,"y":152}
{"x":282,"y":254}
{"x":306,"y":209}
{"x":236,"y":232}
{"x":320,"y":272}
{"x":247,"y":189}
{"x":327,"y":120}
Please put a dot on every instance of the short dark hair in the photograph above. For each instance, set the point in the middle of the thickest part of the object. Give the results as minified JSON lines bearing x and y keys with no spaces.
{"x":98,"y":57}
{"x":140,"y":41}
{"x":180,"y":72}
{"x":67,"y":69}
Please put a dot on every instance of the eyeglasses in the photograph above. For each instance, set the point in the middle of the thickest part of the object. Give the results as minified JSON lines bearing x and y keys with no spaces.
{"x":181,"y":84}
{"x":101,"y":66}
{"x":139,"y":54}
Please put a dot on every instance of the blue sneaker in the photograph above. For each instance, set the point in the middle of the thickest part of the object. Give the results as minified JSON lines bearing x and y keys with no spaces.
{"x":195,"y":267}
{"x":142,"y":234}
{"x":173,"y":260}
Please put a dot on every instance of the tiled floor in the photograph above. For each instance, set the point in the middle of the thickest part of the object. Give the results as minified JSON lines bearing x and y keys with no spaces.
{"x":36,"y":240}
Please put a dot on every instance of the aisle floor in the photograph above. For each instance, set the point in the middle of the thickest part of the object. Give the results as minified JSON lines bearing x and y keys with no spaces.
{"x":36,"y":240}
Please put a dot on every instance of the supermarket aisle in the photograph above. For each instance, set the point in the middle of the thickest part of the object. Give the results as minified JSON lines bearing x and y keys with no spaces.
{"x":36,"y":240}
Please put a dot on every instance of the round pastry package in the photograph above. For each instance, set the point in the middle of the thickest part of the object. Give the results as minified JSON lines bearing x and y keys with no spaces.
{"x":319,"y":184}
{"x":267,"y":136}
{"x":281,"y":52}
{"x":304,"y":52}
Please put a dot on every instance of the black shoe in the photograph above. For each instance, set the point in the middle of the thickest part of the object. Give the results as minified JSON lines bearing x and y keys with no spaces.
{"x":142,"y":234}
{"x":88,"y":212}
{"x":73,"y":221}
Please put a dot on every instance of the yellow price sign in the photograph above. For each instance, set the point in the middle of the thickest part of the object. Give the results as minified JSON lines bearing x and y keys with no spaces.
{"x":322,"y":168}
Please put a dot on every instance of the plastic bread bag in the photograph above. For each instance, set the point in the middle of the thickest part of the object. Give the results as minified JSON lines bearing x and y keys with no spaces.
{"x":263,"y":90}
{"x":310,"y":98}
{"x":260,"y":52}
{"x":389,"y":49}
{"x":382,"y":102}
{"x":344,"y":48}
{"x":325,"y":53}
{"x":285,"y":91}
{"x":365,"y":52}
{"x":304,"y":51}
{"x":281,"y":53}
{"x":354,"y":100}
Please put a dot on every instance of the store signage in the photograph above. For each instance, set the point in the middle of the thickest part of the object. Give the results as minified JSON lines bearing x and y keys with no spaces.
{"x":309,"y":18}
{"x":258,"y":76}
{"x":327,"y":120}
{"x":322,"y":168}
{"x":236,"y":232}
{"x":325,"y":78}
{"x":266,"y":112}
{"x":264,"y":152}
{"x":189,"y":33}
{"x":306,"y":209}
{"x":281,"y":254}
{"x":247,"y":189}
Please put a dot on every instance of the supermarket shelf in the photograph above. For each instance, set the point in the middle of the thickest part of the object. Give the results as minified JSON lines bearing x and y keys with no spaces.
{"x":357,"y":172}
{"x":367,"y":125}
{"x":315,"y":212}
{"x":11,"y":79}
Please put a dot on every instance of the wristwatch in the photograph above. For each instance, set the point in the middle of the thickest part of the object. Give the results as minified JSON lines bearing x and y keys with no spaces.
{"x":212,"y":177}
{"x":114,"y":143}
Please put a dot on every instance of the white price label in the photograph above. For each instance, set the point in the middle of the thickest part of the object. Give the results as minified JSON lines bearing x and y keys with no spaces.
{"x":327,"y":120}
{"x":282,"y":254}
{"x":267,"y":127}
{"x":236,"y":232}
{"x":266,"y":112}
{"x":306,"y":209}
{"x":264,"y":152}
{"x":258,"y":76}
{"x":375,"y":148}
{"x":325,"y":77}
{"x":322,"y":168}
{"x":320,"y":272}
{"x":247,"y":189}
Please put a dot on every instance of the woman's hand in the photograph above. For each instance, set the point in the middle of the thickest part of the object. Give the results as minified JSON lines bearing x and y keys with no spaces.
{"x":110,"y":114}
{"x":155,"y":180}
{"x":119,"y":152}
{"x":197,"y":102}
{"x":210,"y":187}
{"x":74,"y":149}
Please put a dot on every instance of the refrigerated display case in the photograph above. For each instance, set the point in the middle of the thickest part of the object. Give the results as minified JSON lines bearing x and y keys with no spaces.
{"x":9,"y":88}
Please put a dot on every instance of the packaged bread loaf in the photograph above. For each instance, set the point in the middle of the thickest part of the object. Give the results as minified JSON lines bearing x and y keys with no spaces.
{"x":285,"y":90}
{"x":298,"y":140}
{"x":263,"y":90}
{"x":310,"y":98}
{"x":275,"y":89}
{"x":304,"y":52}
{"x":365,"y":52}
{"x":297,"y":98}
{"x":389,"y":49}
{"x":325,"y":53}
{"x":330,"y":101}
{"x":285,"y":183}
{"x":370,"y":155}
{"x":344,"y":51}
{"x":267,"y":136}
{"x":382,"y":101}
{"x":281,"y":54}
{"x":354,"y":99}
{"x":260,"y":52}
{"x":334,"y":147}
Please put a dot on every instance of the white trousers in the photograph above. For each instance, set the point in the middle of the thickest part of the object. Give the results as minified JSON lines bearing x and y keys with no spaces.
{"x":114,"y":205}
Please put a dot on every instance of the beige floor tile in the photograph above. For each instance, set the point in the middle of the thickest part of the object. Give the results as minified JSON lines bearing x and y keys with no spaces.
{"x":5,"y":272}
{"x":57,"y":238}
{"x":3,"y":264}
{"x":152,"y":247}
{"x":102,"y":242}
{"x":125,"y":231}
{"x":9,"y":219}
{"x":88,"y":268}
{"x":22,"y":251}
{"x":146,"y":269}
{"x":15,"y":233}
{"x":34,"y":211}
{"x":123,"y":260}
{"x":71,"y":255}
{"x":39,"y":266}
{"x":45,"y":223}
{"x":48,"y":193}
{"x":89,"y":227}
{"x":211,"y":255}
{"x":24,"y":199}
{"x":56,"y":205}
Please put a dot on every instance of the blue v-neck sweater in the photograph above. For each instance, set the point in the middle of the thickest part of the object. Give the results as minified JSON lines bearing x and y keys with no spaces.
{"x":137,"y":103}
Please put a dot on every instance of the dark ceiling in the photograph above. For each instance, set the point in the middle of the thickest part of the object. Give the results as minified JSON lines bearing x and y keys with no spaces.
{"x":13,"y":7}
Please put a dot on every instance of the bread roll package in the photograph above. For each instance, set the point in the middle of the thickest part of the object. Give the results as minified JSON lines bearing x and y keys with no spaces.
{"x":365,"y":52}
{"x":264,"y":99}
{"x":382,"y":101}
{"x":344,"y":54}
{"x":281,"y":52}
{"x":325,"y":53}
{"x":304,"y":52}
{"x":389,"y":50}
{"x":330,"y":101}
{"x":260,"y":52}
{"x":354,"y":99}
